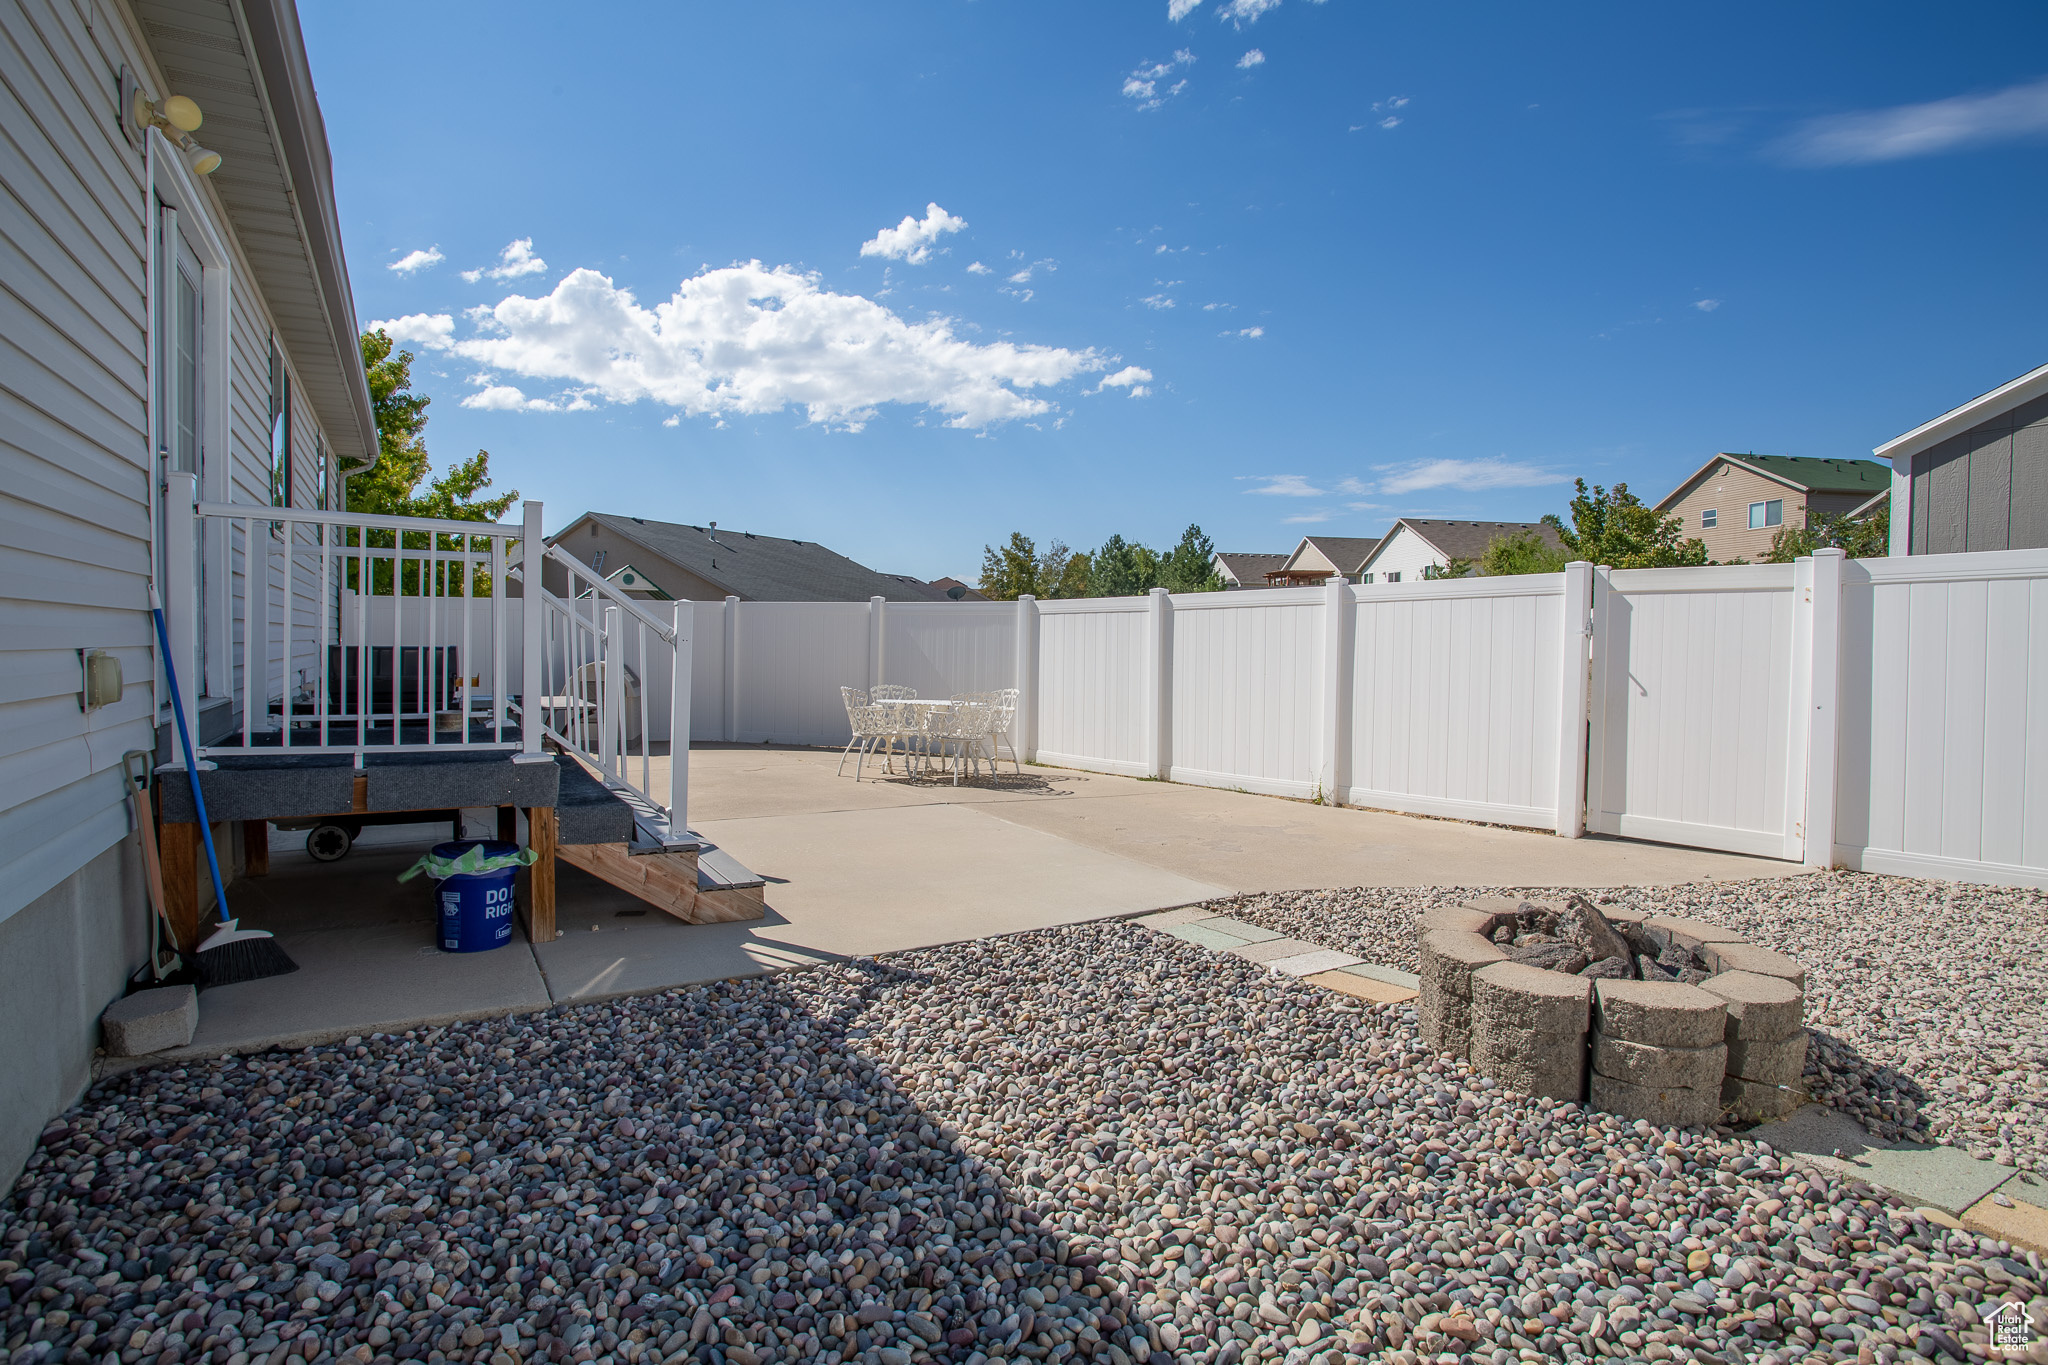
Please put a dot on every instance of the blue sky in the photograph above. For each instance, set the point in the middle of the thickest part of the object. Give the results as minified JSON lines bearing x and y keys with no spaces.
{"x":1272,"y":266}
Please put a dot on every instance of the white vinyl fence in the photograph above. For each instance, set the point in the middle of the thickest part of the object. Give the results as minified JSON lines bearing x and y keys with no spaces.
{"x":1883,"y":714}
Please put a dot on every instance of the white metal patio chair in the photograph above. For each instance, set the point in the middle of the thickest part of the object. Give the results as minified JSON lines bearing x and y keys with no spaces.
{"x":1003,"y":701}
{"x":903,"y":723}
{"x":958,"y":733}
{"x":860,"y":720}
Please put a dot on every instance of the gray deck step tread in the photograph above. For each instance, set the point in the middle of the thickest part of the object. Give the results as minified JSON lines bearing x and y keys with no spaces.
{"x":717,"y":869}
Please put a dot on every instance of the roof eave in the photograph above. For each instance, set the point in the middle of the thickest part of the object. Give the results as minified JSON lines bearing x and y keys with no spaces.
{"x":2024,"y":389}
{"x":287,"y":80}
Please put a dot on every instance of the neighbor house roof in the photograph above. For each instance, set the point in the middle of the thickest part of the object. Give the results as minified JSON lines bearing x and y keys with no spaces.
{"x":1248,"y":569}
{"x":1469,"y":539}
{"x":760,"y":568}
{"x":1811,"y":473}
{"x":1982,"y":408}
{"x":968,"y":592}
{"x":245,"y":64}
{"x":1347,"y":553}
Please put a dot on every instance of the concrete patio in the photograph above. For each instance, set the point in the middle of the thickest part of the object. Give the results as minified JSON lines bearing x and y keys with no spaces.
{"x":856,"y":868}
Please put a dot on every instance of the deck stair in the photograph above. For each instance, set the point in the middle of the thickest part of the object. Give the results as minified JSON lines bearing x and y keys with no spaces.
{"x":626,"y":842}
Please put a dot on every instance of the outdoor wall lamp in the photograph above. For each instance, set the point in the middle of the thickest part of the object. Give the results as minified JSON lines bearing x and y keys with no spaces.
{"x":178,"y":117}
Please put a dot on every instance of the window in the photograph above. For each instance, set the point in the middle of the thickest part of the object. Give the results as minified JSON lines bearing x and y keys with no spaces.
{"x":1394,"y":577}
{"x":1365,"y":578}
{"x":1708,"y":519}
{"x":280,"y":429}
{"x":1763,"y":514}
{"x":320,"y":483}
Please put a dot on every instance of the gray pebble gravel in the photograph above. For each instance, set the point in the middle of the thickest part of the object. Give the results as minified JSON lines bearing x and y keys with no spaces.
{"x":1098,"y":1143}
{"x":1928,"y":1000}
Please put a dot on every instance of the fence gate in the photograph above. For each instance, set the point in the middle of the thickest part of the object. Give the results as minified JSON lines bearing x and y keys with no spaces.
{"x":1698,"y":714}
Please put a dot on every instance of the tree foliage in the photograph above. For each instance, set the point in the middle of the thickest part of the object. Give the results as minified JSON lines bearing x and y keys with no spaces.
{"x":1520,"y":552}
{"x":1119,"y":568}
{"x":1190,"y":566}
{"x":1019,"y":567}
{"x":1614,"y":528}
{"x":1869,"y":538}
{"x":1454,"y":567}
{"x":392,"y":486}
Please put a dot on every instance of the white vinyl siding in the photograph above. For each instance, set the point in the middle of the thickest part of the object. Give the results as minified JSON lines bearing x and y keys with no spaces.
{"x":75,"y":533}
{"x":1402,"y":553}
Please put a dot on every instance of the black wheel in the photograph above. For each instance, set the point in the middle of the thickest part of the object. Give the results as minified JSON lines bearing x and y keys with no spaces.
{"x":326,"y":843}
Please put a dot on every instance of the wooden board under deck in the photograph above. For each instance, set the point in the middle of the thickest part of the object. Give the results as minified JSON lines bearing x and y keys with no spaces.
{"x":667,"y":881}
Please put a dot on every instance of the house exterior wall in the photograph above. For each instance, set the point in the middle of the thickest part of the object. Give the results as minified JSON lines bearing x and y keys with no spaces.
{"x":1403,"y":552}
{"x":76,"y":512}
{"x":1985,"y":488}
{"x":1729,"y":488}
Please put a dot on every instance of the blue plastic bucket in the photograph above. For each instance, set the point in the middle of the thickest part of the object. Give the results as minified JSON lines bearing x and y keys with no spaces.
{"x":476,"y":907}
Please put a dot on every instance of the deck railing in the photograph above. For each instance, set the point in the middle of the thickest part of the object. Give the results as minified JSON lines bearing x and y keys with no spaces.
{"x":346,"y":633}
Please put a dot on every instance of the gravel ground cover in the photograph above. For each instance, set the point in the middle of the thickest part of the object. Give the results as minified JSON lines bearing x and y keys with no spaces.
{"x":1928,"y":1000}
{"x":1096,"y":1143}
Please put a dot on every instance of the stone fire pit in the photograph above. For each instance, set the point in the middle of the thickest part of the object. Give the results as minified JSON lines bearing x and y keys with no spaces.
{"x":1658,"y":1018}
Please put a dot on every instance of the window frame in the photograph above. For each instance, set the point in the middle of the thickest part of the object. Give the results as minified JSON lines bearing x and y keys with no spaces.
{"x":1710,"y":518}
{"x":1766,"y":514}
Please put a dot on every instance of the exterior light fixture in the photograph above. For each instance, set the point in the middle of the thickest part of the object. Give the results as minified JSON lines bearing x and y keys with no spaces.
{"x":177,"y":117}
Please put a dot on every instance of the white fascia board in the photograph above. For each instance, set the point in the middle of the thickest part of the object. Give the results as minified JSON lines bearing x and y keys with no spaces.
{"x":1900,"y":450}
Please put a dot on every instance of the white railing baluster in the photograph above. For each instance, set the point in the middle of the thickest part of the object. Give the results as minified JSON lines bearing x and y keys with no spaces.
{"x":284,"y":668}
{"x":320,"y":659}
{"x":611,"y":692}
{"x":499,"y":692}
{"x":254,"y":590}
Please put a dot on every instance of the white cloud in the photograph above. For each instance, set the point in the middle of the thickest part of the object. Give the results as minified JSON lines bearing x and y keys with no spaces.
{"x":1213,"y":307}
{"x":911,"y":240}
{"x":1390,"y":122}
{"x":1390,"y":102}
{"x":751,"y":339}
{"x":1248,"y":333}
{"x":1242,"y":12}
{"x":1310,"y":517}
{"x":506,"y":398}
{"x":1157,"y":301}
{"x":1133,"y":377}
{"x":1707,"y":305}
{"x":432,"y":330}
{"x":515,"y":260}
{"x":977,"y":268}
{"x":2019,"y":111}
{"x":1022,"y":277}
{"x":1251,"y":59}
{"x":1177,"y":10}
{"x":1469,"y":475}
{"x":1142,"y":85}
{"x":420,"y":258}
{"x":1284,"y":486}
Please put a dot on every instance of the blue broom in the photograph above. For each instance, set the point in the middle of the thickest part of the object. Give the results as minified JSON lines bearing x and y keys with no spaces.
{"x":229,"y":954}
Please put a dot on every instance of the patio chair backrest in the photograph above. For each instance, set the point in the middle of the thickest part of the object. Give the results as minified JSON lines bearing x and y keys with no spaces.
{"x":853,"y":696}
{"x":892,"y":692}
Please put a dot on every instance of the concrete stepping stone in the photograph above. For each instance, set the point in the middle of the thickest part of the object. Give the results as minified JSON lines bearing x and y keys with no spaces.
{"x":1349,"y":981}
{"x":150,"y":1021}
{"x":1274,"y":948}
{"x":1204,"y":933}
{"x":1944,"y":1178}
{"x":1167,"y":918}
{"x":1309,"y":964}
{"x":1393,"y":976}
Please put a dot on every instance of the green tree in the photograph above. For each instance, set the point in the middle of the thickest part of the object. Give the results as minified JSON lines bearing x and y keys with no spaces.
{"x":1616,"y":529}
{"x":392,"y":486}
{"x":1019,"y":567}
{"x":1869,"y":538}
{"x":1122,"y":569}
{"x":1518,"y":553}
{"x":1452,"y":568}
{"x":1190,"y":566}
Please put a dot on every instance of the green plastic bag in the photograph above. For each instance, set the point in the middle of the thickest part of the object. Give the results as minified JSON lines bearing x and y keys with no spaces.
{"x":471,"y":860}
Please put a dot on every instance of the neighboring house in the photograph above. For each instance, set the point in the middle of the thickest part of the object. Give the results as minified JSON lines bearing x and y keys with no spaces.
{"x":967,"y":592}
{"x":159,"y":322}
{"x":1318,"y":559}
{"x":1417,"y":544}
{"x":1736,"y":504}
{"x":1246,"y":570}
{"x":1975,"y":478}
{"x":707,"y":563}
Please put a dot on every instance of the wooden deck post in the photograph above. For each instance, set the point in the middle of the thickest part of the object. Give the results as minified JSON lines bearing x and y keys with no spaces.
{"x":508,"y":824}
{"x":180,"y":855}
{"x":256,"y":848}
{"x":540,"y":909}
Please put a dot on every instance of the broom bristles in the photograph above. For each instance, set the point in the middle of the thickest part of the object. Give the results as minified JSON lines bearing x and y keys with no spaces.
{"x":249,"y":955}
